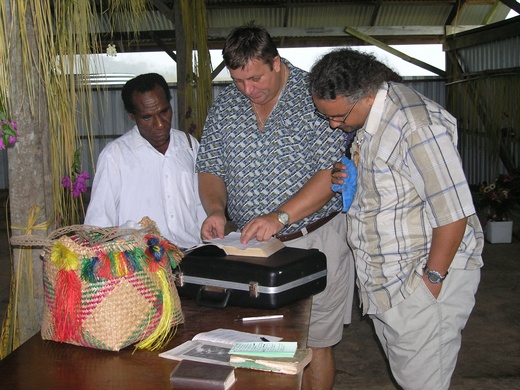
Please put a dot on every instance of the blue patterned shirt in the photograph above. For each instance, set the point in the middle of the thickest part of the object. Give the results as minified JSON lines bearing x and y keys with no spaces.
{"x":263,"y":169}
{"x":410,"y":180}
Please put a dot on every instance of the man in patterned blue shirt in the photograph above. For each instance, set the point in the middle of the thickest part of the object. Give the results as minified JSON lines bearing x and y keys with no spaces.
{"x":412,"y":224}
{"x":266,"y":157}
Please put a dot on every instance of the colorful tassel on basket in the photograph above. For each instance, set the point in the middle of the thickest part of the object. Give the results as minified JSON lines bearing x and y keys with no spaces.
{"x":175,"y":255}
{"x":161,"y":335}
{"x":134,"y":259}
{"x":67,"y":305}
{"x":120,"y":267}
{"x":104,"y":267}
{"x":156,"y":252}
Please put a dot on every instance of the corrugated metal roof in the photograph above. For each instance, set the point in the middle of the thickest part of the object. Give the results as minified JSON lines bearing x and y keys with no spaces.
{"x":301,"y":23}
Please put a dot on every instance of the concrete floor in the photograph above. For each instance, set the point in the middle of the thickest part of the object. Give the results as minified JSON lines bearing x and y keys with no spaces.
{"x":490,"y":355}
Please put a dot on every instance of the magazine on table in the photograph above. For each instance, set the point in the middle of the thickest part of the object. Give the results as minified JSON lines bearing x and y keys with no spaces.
{"x":214,"y":346}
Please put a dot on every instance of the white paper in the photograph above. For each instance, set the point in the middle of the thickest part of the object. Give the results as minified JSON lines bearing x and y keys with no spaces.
{"x":229,"y":337}
{"x":213,"y":346}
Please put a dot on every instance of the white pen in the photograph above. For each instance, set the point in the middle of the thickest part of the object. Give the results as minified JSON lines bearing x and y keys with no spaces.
{"x":260,"y":318}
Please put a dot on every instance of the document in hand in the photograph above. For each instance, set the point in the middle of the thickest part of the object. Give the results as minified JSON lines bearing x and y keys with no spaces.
{"x":213,"y":346}
{"x":265,"y":349}
{"x":231,"y":245}
{"x":190,"y":374}
{"x":283,"y":365}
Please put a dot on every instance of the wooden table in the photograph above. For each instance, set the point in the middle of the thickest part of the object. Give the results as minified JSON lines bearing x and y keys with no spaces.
{"x":39,"y":364}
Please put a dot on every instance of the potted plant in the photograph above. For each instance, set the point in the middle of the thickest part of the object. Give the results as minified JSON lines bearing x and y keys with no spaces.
{"x":495,"y":202}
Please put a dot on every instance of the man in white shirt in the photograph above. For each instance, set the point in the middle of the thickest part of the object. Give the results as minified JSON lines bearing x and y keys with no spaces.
{"x":150,"y":170}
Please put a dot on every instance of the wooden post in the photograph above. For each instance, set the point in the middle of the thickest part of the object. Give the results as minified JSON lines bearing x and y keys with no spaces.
{"x":30,"y":175}
{"x":180,"y":43}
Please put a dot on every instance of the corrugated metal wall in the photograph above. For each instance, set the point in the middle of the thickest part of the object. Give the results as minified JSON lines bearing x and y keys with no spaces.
{"x":432,"y":87}
{"x":488,"y":93}
{"x":109,"y":119}
{"x":502,"y":54}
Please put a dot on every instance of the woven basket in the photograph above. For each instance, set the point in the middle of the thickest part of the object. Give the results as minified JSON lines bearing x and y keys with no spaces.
{"x":108,"y":288}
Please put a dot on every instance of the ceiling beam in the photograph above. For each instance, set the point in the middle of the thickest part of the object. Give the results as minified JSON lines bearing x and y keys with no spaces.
{"x":375,"y":12}
{"x":490,"y":33}
{"x":316,"y":32}
{"x":456,"y":9}
{"x":294,"y":37}
{"x":514,"y":5}
{"x":491,"y":13}
{"x":165,"y":9}
{"x":400,"y":54}
{"x":163,"y":46}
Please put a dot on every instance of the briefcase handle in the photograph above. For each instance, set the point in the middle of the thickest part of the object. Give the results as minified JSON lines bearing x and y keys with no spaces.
{"x":215,"y":297}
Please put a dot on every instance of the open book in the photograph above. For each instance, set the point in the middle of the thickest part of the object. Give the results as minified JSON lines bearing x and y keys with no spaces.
{"x":231,"y":245}
{"x":213,"y":346}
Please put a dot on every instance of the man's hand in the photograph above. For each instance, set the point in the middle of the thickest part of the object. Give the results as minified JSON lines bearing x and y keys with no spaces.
{"x":338,"y":173}
{"x":445,"y":242}
{"x":213,"y":196}
{"x":213,"y":226}
{"x":262,"y":228}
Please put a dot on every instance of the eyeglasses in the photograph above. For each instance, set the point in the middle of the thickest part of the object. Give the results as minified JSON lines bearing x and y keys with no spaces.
{"x":331,"y":118}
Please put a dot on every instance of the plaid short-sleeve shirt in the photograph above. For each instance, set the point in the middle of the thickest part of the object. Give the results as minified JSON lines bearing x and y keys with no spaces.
{"x":410,"y":180}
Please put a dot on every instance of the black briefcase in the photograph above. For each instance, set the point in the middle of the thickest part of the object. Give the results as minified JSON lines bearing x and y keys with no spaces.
{"x":217,"y":280}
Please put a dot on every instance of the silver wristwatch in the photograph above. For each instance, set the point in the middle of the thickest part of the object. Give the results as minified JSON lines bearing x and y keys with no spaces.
{"x":283,"y":217}
{"x":434,"y":277}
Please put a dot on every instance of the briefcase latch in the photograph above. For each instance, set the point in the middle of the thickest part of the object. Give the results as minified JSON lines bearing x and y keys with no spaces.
{"x":253,"y":289}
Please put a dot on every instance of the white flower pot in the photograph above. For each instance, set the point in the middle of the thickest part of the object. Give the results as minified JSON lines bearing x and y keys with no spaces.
{"x":499,"y":231}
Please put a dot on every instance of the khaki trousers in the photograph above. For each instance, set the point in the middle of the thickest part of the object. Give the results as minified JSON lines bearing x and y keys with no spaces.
{"x":421,"y":336}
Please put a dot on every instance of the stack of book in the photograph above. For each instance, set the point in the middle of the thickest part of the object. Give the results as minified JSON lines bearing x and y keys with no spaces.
{"x":281,"y":357}
{"x":209,"y":359}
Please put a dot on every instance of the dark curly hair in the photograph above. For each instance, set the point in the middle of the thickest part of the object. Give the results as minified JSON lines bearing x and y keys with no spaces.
{"x":143,"y":83}
{"x":246,"y":43}
{"x":349,"y":73}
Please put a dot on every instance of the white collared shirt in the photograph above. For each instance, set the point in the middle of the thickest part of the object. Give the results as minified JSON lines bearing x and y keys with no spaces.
{"x":134,"y":180}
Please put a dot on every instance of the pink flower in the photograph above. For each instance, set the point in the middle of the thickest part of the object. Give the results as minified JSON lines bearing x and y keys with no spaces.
{"x":65,"y":182}
{"x":83,"y":176}
{"x":76,"y":192}
{"x":78,"y":186}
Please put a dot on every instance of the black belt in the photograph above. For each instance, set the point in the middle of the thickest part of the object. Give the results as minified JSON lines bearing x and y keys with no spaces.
{"x":307,"y":229}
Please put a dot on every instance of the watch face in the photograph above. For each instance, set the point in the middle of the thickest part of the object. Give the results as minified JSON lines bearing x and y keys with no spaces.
{"x":434,"y":276}
{"x":283,"y":217}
